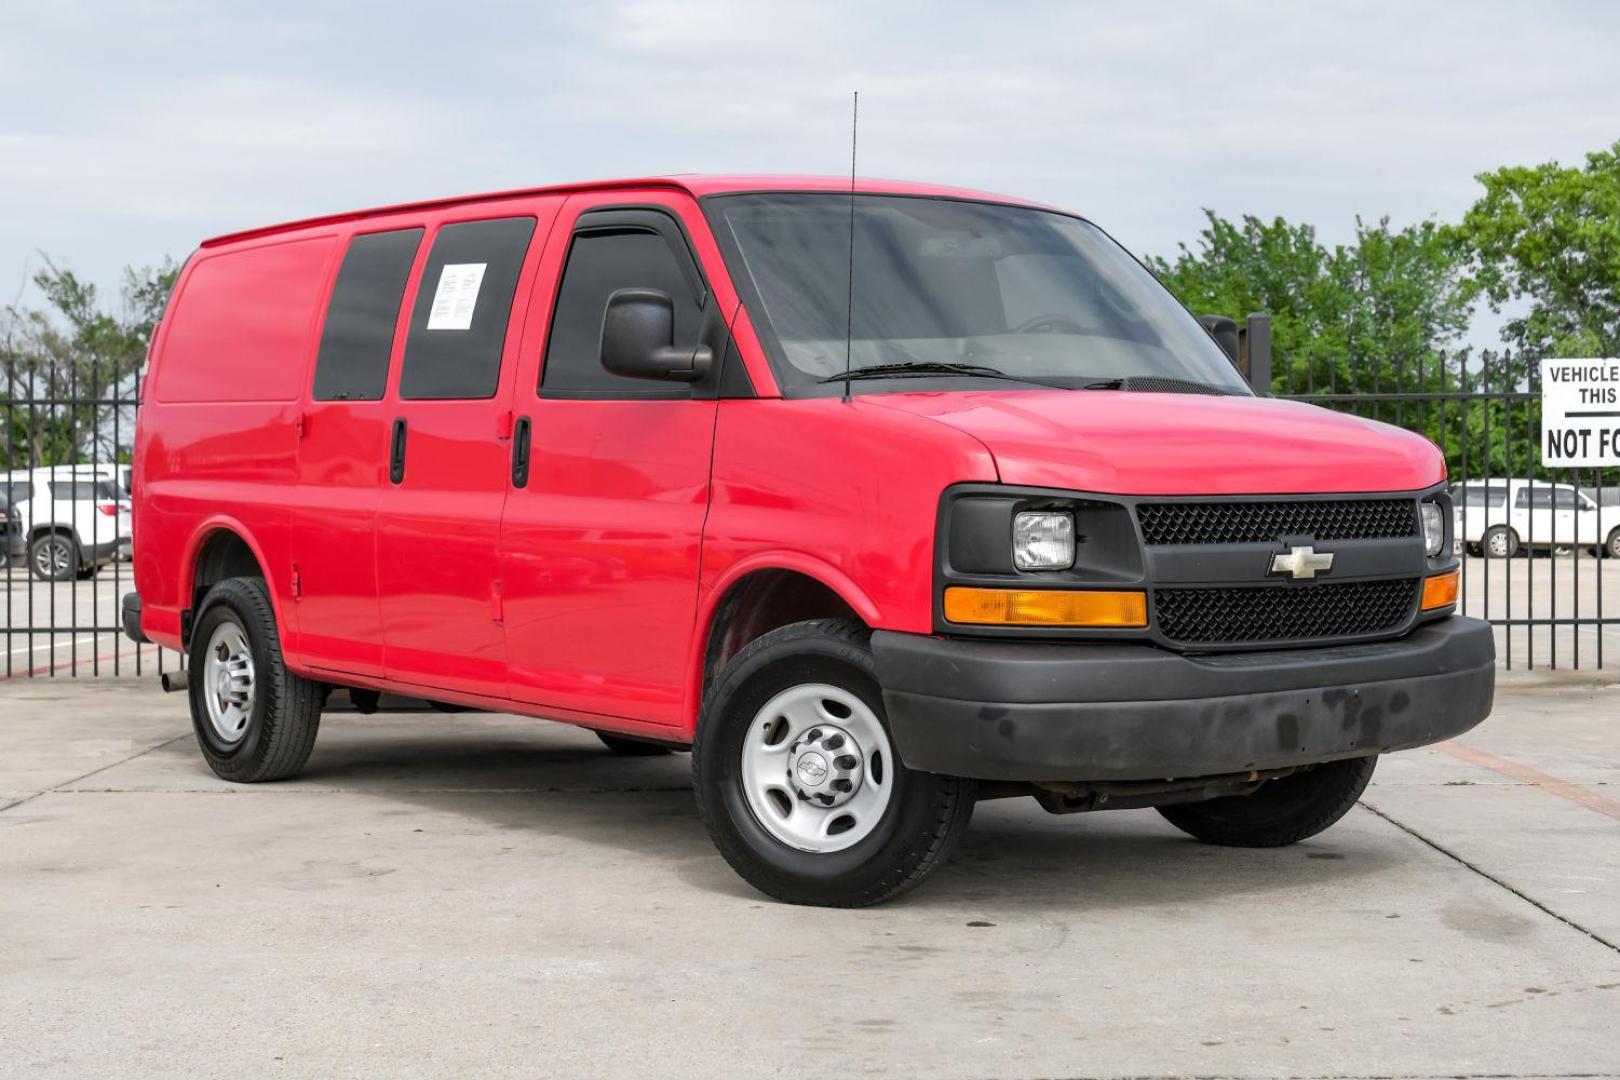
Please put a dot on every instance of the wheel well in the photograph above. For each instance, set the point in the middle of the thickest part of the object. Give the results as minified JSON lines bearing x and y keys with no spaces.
{"x":61,"y":530}
{"x":223,"y":555}
{"x":761,"y":602}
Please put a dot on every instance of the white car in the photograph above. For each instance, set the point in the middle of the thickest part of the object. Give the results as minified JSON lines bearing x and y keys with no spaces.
{"x":1500,"y":518}
{"x":68,"y":520}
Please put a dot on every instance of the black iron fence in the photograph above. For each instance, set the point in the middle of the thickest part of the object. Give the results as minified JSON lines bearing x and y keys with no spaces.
{"x":1540,"y":547}
{"x":65,"y":440}
{"x":65,"y":538}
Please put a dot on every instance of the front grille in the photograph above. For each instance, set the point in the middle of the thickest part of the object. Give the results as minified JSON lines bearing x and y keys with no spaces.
{"x":1260,"y":613}
{"x":1263,"y":522}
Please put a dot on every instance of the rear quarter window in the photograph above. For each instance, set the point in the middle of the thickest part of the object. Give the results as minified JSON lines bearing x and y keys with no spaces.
{"x":241,"y":327}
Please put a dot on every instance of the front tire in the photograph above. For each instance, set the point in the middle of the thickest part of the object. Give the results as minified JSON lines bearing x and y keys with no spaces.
{"x":1284,"y":811}
{"x":797,"y":780}
{"x":254,"y":719}
{"x":1500,"y":542}
{"x":1612,"y":548}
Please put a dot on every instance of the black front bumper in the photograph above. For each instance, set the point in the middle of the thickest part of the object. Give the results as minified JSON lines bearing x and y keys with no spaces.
{"x":1000,"y":710}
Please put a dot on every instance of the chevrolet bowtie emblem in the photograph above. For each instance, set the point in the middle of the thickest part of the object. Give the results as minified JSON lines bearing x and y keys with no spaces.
{"x":1302,"y":562}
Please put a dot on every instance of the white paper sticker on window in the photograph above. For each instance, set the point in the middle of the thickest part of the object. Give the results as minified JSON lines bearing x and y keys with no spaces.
{"x":456,"y":296}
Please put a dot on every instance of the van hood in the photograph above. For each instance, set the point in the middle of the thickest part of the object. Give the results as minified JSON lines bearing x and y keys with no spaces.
{"x":1131,"y":443}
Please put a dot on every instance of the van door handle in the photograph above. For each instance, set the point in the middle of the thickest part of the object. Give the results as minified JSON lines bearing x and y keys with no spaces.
{"x":396,"y":452}
{"x":520,"y":453}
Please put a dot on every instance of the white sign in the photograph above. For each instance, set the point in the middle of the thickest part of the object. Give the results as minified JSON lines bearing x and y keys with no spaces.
{"x":456,"y":296}
{"x":1580,"y":412}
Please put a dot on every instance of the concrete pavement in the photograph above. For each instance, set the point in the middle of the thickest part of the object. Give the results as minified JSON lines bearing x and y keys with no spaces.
{"x":487,"y":895}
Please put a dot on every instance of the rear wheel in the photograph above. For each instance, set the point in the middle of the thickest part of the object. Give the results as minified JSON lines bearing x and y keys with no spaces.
{"x":1501,"y":542}
{"x":1612,"y":548}
{"x":798,"y":782}
{"x":254,"y":719}
{"x":53,"y":557}
{"x":1283,"y":811}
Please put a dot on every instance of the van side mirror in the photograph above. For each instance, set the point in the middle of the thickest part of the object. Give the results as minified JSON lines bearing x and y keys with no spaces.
{"x":1225,"y":333}
{"x":638,"y":331}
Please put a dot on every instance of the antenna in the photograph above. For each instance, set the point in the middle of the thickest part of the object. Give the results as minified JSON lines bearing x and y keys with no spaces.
{"x":849,"y":308}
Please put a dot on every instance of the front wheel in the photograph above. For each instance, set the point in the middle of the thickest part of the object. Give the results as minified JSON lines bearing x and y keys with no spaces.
{"x":1612,"y":548}
{"x":1501,"y":542}
{"x":1283,"y":811}
{"x":798,"y":782}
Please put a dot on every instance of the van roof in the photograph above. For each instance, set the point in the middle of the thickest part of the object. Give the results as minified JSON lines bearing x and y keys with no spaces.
{"x":695,"y":185}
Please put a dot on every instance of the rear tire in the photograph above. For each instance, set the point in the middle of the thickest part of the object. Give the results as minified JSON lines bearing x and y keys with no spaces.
{"x":797,"y":781}
{"x":254,"y":719}
{"x":631,"y":747}
{"x":1500,"y":542}
{"x":1283,"y":811}
{"x":53,"y":557}
{"x":1612,"y":548}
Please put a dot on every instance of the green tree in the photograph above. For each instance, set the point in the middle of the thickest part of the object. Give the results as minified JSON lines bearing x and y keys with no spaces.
{"x":1387,"y":312}
{"x":76,"y":352}
{"x":1548,"y":237}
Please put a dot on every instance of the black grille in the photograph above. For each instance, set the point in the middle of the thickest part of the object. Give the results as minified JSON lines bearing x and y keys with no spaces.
{"x":1259,"y":613}
{"x":1261,"y":522}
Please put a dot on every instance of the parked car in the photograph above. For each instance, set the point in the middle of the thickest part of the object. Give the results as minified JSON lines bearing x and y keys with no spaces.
{"x":68,"y":520}
{"x":622,"y":455}
{"x":5,"y":532}
{"x":1504,"y":517}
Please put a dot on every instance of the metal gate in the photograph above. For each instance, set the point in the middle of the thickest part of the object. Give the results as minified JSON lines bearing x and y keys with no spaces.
{"x":1552,"y":587}
{"x":65,"y":444}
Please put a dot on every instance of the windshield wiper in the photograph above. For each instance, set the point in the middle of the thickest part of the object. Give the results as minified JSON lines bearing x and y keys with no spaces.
{"x":1105,"y":384}
{"x":915,"y":368}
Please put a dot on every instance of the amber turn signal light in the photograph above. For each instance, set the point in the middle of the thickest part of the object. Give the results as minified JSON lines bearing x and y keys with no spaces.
{"x":1440,"y":591}
{"x":1044,"y":607}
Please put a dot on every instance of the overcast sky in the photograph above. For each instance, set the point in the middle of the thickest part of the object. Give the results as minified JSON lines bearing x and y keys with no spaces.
{"x":130,"y":129}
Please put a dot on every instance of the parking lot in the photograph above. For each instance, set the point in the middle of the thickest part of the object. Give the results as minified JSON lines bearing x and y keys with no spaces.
{"x":484,"y":895}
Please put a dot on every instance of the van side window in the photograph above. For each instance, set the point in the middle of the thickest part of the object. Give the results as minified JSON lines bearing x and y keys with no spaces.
{"x":463,"y":306}
{"x":358,"y":337}
{"x":600,"y":263}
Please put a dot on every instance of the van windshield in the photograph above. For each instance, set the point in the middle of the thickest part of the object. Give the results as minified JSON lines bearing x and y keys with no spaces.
{"x":944,"y":286}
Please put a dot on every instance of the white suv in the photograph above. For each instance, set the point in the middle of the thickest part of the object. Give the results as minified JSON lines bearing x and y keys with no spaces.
{"x":69,"y":520}
{"x":1504,"y":517}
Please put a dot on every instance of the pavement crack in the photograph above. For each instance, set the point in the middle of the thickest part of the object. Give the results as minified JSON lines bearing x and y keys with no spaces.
{"x":94,"y":772}
{"x":1492,"y":878}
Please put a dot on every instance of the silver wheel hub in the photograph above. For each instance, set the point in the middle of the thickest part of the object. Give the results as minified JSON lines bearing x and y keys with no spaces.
{"x":824,"y":766}
{"x":52,"y":557}
{"x":817,"y":768}
{"x":227,"y":682}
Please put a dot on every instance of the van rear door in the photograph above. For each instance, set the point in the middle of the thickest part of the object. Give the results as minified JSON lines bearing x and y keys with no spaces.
{"x":446,"y":466}
{"x":342,"y":453}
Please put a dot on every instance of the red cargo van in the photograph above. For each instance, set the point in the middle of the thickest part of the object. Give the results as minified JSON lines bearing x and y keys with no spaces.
{"x":975,"y":510}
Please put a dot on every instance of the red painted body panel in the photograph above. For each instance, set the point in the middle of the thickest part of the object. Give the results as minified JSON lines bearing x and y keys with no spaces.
{"x":589,"y":594}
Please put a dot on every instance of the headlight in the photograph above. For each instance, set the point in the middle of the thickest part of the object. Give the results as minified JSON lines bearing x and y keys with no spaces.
{"x":1434,"y":526}
{"x":1043,"y":540}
